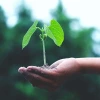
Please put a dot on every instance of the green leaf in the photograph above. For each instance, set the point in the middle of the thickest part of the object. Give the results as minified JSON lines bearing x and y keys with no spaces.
{"x":28,"y":34}
{"x":49,"y":33}
{"x":55,"y":32}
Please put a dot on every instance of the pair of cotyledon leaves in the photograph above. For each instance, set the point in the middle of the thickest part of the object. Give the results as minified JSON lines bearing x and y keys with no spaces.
{"x":54,"y":31}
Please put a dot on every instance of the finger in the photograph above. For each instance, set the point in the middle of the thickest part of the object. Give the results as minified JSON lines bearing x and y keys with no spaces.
{"x":39,"y":81}
{"x":68,"y":66}
{"x":55,"y":64}
{"x":47,"y":73}
{"x":21,"y":70}
{"x":35,"y":80}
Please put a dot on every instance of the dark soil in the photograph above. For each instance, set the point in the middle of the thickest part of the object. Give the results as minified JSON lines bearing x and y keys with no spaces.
{"x":46,"y":66}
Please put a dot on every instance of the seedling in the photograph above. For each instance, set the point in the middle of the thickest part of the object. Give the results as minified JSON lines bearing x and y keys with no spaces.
{"x":53,"y":31}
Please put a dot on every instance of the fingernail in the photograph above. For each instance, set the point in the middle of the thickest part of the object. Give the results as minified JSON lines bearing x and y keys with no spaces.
{"x":21,"y":70}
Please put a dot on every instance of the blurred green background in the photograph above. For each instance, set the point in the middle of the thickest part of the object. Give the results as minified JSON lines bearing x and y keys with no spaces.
{"x":77,"y":43}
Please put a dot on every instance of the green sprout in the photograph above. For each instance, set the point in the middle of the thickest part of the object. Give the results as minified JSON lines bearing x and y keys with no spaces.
{"x":53,"y":31}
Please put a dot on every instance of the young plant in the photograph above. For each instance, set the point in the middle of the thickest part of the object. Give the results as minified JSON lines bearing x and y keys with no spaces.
{"x":53,"y":31}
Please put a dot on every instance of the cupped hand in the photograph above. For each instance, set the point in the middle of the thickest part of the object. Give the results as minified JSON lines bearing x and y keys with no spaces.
{"x":50,"y":78}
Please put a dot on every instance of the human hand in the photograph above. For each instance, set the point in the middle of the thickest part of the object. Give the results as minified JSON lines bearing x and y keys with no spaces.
{"x":50,"y":78}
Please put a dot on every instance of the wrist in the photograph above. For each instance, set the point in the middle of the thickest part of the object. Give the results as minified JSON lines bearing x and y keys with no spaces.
{"x":89,"y":65}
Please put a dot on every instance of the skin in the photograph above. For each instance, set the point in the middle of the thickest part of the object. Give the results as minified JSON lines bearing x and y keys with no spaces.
{"x":59,"y":71}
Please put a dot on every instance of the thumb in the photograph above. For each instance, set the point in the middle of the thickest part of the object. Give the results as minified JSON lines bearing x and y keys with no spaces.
{"x":68,"y":66}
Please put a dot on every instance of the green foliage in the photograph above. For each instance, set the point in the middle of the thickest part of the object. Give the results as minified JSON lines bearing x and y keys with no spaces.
{"x":55,"y":32}
{"x":29,"y":33}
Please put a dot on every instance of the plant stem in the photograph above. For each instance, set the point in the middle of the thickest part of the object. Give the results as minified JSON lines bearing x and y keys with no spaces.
{"x":44,"y":53}
{"x":43,"y":43}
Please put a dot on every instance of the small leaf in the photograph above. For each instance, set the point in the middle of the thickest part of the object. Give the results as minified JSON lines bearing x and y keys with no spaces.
{"x":55,"y":32}
{"x":49,"y":33}
{"x":28,"y":34}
